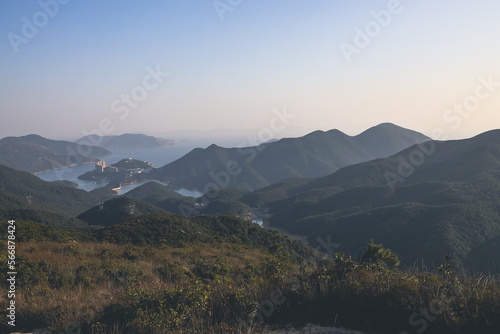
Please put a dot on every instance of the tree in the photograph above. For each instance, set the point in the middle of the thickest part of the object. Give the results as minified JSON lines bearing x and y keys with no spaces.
{"x":376,"y":253}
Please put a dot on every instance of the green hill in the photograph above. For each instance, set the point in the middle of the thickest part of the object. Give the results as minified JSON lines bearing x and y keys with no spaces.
{"x":316,"y":154}
{"x":49,"y":218}
{"x":116,"y":210}
{"x":165,"y":273}
{"x":447,"y":204}
{"x":225,"y":202}
{"x":153,"y":192}
{"x":130,"y":163}
{"x":34,"y":153}
{"x":175,"y":230}
{"x":227,"y":207}
{"x":162,"y":197}
{"x":16,"y":207}
{"x":24,"y":190}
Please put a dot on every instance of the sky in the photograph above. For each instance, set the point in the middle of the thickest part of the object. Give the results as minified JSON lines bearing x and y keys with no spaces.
{"x":235,"y":67}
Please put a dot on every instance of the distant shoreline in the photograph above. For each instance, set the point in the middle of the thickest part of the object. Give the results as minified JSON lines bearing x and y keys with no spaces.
{"x":73,"y":165}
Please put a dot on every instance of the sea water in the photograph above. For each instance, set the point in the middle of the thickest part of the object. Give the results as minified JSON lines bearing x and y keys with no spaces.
{"x":158,"y":156}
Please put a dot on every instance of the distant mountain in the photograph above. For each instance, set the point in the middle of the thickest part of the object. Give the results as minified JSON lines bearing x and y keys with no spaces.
{"x":316,"y":154}
{"x":126,"y":140}
{"x":116,"y":210}
{"x":34,"y":153}
{"x":424,"y":203}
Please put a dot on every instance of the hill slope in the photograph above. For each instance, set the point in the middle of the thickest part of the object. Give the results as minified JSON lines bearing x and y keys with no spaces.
{"x":445,"y":203}
{"x":169,"y":274}
{"x":316,"y":154}
{"x":18,"y":208}
{"x":117,"y":210}
{"x":28,"y":191}
{"x":153,"y":192}
{"x":176,"y":230}
{"x":226,"y":202}
{"x":33,"y":153}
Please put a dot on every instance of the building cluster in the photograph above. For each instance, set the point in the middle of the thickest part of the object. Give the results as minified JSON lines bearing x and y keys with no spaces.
{"x":101,"y":167}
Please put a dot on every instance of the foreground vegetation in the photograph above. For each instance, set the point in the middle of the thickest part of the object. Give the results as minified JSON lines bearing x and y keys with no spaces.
{"x":141,"y":277}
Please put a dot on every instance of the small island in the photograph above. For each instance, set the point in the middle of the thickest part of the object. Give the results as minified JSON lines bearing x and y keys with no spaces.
{"x":125,"y":171}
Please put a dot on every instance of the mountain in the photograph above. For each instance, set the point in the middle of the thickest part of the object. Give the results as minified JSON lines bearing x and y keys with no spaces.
{"x":16,"y":207}
{"x":126,"y":140}
{"x":424,"y":203}
{"x":153,"y":193}
{"x":226,"y":202}
{"x":34,"y":153}
{"x":316,"y":154}
{"x":116,"y":210}
{"x":161,"y":196}
{"x":173,"y":230}
{"x":22,"y":190}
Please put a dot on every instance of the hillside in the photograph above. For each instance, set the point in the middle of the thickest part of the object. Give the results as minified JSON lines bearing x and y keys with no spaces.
{"x":33,"y":153}
{"x":116,"y":210}
{"x":153,"y":192}
{"x":226,"y":202}
{"x":161,"y":196}
{"x":26,"y":191}
{"x":446,"y":205}
{"x":316,"y":154}
{"x":165,"y":273}
{"x":126,"y":140}
{"x":16,"y":207}
{"x":174,"y":230}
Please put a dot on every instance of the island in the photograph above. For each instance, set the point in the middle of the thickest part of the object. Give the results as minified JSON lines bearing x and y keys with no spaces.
{"x":125,"y":171}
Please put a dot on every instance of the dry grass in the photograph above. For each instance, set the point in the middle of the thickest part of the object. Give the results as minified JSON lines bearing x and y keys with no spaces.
{"x":97,"y":275}
{"x":205,"y":287}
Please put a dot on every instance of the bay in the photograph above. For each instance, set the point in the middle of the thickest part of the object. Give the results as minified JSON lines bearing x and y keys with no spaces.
{"x":159,"y":156}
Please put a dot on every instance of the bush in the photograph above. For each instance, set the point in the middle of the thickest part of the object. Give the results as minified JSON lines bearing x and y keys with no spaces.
{"x":376,"y":253}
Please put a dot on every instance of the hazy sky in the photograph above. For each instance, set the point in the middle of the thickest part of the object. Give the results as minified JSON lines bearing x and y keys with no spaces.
{"x":73,"y":66}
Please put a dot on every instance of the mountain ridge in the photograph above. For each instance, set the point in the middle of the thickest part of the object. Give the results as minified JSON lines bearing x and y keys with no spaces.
{"x":125,"y":140}
{"x":447,"y":205}
{"x":315,"y":154}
